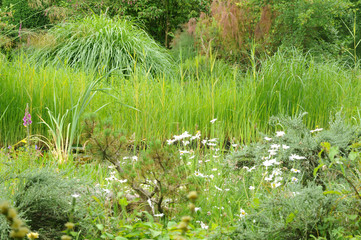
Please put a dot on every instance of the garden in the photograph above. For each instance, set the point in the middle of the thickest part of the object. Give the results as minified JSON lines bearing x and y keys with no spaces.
{"x":180,"y":119}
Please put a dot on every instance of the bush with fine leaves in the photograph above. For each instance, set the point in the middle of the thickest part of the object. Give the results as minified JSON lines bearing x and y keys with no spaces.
{"x":44,"y":200}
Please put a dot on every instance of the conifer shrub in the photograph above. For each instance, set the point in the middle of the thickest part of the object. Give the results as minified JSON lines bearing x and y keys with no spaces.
{"x":154,"y":176}
{"x":100,"y":44}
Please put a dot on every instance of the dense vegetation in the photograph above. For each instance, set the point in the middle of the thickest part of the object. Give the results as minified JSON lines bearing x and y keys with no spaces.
{"x":174,"y":119}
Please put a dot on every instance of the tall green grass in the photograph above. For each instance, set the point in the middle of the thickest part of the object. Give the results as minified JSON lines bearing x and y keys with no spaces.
{"x":98,"y":43}
{"x":22,"y":83}
{"x":285,"y":84}
{"x":201,"y":90}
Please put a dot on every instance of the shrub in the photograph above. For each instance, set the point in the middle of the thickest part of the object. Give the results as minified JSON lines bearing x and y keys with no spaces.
{"x":233,"y":28}
{"x":301,"y":141}
{"x":7,"y":30}
{"x":155,"y":176}
{"x":24,"y":16}
{"x":98,"y":43}
{"x":294,"y":213}
{"x":44,"y":200}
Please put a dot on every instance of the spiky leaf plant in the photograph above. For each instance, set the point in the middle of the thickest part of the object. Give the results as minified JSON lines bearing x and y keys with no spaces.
{"x":98,"y":43}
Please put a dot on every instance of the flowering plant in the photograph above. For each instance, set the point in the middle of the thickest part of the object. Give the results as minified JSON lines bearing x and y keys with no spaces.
{"x":27,"y":117}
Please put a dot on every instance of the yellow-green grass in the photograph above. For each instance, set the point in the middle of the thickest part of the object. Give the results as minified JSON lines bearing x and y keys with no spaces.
{"x":201,"y":90}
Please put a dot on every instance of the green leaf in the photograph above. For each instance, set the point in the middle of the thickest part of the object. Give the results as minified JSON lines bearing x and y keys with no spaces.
{"x":316,"y":169}
{"x":150,"y":217}
{"x":353,"y":155}
{"x":332,"y":192}
{"x":255,"y":203}
{"x":291,"y":217}
{"x":128,"y":226}
{"x":352,"y":217}
{"x":100,"y":227}
{"x":120,"y":238}
{"x":97,"y":200}
{"x":123,"y":202}
{"x":111,"y":236}
{"x":326,"y":146}
{"x":155,"y":233}
{"x":171,"y":224}
{"x":333,"y":152}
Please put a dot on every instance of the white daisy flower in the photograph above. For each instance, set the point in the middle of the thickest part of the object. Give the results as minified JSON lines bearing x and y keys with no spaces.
{"x":272,"y":152}
{"x":296,"y":157}
{"x":275,"y":146}
{"x":275,"y":184}
{"x":316,"y":130}
{"x":204,"y":226}
{"x":75,"y":195}
{"x":285,"y":147}
{"x":243,"y":213}
{"x":170,"y":141}
{"x":280,"y":133}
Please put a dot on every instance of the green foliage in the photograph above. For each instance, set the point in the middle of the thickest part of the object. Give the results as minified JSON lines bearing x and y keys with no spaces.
{"x":24,"y":16}
{"x":166,"y":15}
{"x":154,"y":176}
{"x":44,"y":196}
{"x":340,"y":134}
{"x":101,"y":44}
{"x":301,"y":141}
{"x":4,"y":225}
{"x":161,"y":18}
{"x":7,"y":30}
{"x":199,"y":90}
{"x":153,"y":230}
{"x":183,"y":46}
{"x":318,"y":25}
{"x":232,"y":204}
{"x":294,"y":213}
{"x":103,"y":142}
{"x":234,"y":27}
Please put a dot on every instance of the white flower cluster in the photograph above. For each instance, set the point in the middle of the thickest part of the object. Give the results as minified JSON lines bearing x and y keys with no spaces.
{"x":183,"y":136}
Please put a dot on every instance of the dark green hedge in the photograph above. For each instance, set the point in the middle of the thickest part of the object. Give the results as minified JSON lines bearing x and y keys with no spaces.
{"x":30,"y":18}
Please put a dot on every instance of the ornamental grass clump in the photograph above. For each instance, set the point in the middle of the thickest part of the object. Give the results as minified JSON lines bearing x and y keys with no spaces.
{"x":99,"y":43}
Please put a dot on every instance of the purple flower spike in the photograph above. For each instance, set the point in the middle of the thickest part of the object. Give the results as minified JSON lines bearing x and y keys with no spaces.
{"x":27,"y":117}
